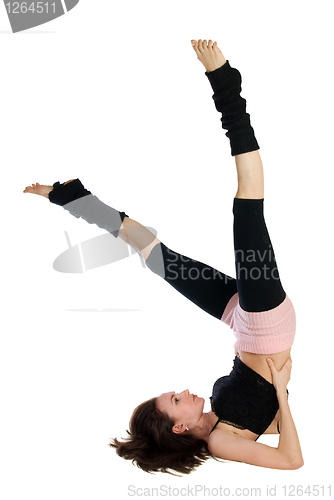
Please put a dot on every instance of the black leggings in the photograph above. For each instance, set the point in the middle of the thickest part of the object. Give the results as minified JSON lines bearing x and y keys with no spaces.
{"x":257,"y":280}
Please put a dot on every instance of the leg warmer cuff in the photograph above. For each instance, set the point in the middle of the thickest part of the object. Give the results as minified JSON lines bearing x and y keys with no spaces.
{"x":226,"y":84}
{"x":77,"y":200}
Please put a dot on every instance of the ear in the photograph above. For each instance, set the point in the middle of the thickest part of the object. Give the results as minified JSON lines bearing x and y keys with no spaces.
{"x":179,"y":428}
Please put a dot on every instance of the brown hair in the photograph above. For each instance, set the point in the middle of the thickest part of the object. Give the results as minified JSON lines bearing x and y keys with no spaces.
{"x":154,"y":447}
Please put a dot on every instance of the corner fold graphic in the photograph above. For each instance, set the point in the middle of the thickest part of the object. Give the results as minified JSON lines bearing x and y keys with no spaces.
{"x":24,"y":15}
{"x":70,"y":4}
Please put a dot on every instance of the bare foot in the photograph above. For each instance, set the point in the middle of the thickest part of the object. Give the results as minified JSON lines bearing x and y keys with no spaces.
{"x":209,"y":54}
{"x":41,"y":190}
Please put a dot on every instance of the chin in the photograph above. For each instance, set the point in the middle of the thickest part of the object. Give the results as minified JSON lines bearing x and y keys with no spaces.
{"x":201,"y":401}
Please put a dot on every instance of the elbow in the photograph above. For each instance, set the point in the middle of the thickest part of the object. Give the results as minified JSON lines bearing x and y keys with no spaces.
{"x":292,"y":462}
{"x":296,"y":464}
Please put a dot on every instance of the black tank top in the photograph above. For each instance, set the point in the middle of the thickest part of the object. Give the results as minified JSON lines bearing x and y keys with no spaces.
{"x":244,"y":399}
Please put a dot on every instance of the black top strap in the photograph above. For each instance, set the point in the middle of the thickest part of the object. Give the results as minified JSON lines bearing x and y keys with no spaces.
{"x":213,"y":428}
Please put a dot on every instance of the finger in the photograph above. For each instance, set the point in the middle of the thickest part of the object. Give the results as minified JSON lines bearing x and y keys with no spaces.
{"x":271,"y":364}
{"x":288,"y":361}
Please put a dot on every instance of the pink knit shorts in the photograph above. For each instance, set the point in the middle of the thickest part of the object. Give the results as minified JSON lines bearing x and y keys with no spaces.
{"x":266,"y":332}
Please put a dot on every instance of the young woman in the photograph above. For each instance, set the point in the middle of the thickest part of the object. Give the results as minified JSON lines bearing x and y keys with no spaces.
{"x":171,"y":432}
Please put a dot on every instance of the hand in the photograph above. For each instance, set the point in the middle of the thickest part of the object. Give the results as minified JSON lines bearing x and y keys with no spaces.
{"x":280,"y":377}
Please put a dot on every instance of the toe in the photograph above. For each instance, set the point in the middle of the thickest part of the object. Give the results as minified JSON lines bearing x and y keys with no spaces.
{"x":215,"y":47}
{"x":195,"y":47}
{"x":209,"y":44}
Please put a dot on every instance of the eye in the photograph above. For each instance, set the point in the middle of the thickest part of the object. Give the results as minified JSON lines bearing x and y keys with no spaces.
{"x":176,"y":400}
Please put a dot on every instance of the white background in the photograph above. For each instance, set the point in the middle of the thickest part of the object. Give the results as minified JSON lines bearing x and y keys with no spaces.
{"x":112,"y":93}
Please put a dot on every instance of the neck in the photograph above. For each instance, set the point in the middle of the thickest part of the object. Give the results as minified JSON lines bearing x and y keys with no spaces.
{"x":203,"y":427}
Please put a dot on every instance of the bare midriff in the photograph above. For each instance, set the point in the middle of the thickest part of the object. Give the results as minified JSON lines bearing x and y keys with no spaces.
{"x":258,"y":362}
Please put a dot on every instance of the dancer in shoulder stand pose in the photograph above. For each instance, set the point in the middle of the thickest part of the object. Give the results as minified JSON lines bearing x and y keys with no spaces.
{"x":171,"y":433}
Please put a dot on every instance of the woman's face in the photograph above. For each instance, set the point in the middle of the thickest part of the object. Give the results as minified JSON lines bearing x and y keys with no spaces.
{"x":184,"y":409}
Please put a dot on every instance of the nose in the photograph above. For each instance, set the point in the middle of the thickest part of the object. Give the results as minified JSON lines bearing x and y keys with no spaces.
{"x":186,"y":392}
